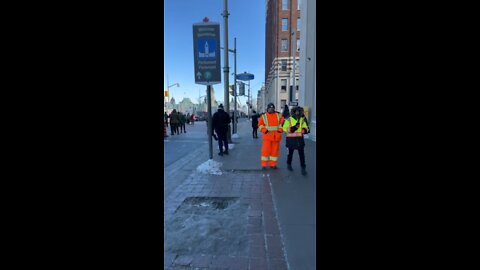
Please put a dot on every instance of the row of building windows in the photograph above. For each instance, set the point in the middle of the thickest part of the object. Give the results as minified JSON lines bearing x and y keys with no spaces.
{"x":283,"y":84}
{"x":285,"y":45}
{"x":285,"y":24}
{"x":285,"y":4}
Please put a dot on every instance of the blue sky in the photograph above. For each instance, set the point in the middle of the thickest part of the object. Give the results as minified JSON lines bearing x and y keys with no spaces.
{"x":246,"y":22}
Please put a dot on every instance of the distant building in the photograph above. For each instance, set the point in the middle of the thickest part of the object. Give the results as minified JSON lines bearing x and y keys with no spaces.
{"x":282,"y":20}
{"x":261,"y":100}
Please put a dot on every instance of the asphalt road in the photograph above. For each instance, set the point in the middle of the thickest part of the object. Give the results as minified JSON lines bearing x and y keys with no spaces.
{"x":178,"y":146}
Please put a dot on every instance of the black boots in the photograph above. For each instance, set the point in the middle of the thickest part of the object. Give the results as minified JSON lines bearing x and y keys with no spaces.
{"x":289,"y":167}
{"x":304,"y":171}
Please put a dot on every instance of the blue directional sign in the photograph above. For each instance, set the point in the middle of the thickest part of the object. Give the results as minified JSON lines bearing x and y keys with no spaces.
{"x":245,"y":76}
{"x":206,"y":51}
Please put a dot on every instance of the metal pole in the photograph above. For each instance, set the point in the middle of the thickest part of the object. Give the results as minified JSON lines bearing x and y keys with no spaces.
{"x":209,"y":126}
{"x":294,"y":61}
{"x":168,"y":89}
{"x":226,"y":74}
{"x":235,"y":86}
{"x":249,"y":99}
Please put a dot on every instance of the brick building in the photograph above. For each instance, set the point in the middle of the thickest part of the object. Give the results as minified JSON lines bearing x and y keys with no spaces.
{"x":282,"y":20}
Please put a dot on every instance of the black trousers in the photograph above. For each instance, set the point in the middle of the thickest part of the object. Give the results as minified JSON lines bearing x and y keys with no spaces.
{"x":222,"y":141}
{"x":174,"y":128}
{"x":254,"y":132}
{"x":301,"y":153}
{"x":182,"y":126}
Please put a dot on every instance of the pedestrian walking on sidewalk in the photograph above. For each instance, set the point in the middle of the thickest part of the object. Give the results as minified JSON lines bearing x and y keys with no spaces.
{"x":295,"y":127}
{"x":183,"y":120}
{"x":270,"y":125}
{"x":220,"y":122}
{"x":165,"y":116}
{"x":192,"y":119}
{"x":255,"y":117}
{"x":174,"y":122}
{"x":286,"y":112}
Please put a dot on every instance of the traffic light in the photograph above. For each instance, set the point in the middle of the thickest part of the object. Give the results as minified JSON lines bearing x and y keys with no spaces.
{"x":242,"y":89}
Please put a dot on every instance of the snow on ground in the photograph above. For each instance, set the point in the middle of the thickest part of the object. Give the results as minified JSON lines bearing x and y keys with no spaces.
{"x":305,"y":136}
{"x":235,"y":136}
{"x":210,"y":167}
{"x":231,"y":146}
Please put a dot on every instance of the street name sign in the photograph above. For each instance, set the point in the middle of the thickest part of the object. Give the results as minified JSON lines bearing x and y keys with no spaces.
{"x":245,"y":76}
{"x":206,"y":51}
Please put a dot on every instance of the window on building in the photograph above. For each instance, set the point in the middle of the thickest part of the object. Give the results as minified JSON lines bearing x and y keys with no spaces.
{"x":299,"y":24}
{"x":296,"y":83}
{"x":283,"y":103}
{"x":298,"y":4}
{"x":284,"y":65}
{"x":284,"y":45}
{"x":283,"y":85}
{"x":284,"y":4}
{"x":298,"y":45}
{"x":284,"y":24}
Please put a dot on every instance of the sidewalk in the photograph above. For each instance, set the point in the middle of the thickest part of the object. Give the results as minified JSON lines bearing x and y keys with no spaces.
{"x":245,"y":218}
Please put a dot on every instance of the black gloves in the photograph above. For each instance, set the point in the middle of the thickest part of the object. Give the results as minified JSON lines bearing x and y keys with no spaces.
{"x":266,"y":131}
{"x":292,"y":129}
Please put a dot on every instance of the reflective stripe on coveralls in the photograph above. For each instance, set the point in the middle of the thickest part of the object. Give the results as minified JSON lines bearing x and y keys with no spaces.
{"x":270,"y":128}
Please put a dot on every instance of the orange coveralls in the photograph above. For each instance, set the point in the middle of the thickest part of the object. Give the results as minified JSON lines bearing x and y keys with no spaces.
{"x":270,"y":141}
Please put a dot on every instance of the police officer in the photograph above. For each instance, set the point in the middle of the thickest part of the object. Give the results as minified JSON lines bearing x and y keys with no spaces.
{"x":295,"y":127}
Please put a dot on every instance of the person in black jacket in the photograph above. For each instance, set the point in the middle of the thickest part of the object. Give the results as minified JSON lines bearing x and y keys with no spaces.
{"x":255,"y":117}
{"x":286,"y":112}
{"x":220,"y":122}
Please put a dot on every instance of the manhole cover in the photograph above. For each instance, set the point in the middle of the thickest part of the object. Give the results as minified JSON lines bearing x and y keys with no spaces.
{"x":208,"y":225}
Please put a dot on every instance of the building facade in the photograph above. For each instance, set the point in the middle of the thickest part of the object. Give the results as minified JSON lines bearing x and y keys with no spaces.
{"x":261,"y":106}
{"x":283,"y":43}
{"x":308,"y":62}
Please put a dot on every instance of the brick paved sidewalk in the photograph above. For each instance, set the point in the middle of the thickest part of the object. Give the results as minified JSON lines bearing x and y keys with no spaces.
{"x":257,"y":236}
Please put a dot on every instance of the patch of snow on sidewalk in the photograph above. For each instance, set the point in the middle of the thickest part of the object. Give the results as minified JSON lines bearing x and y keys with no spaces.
{"x":210,"y":167}
{"x":305,"y":136}
{"x":231,"y":146}
{"x":235,"y":136}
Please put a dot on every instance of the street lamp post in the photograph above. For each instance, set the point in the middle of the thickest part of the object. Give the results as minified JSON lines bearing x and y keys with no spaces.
{"x":168,"y":88}
{"x":234,"y":51}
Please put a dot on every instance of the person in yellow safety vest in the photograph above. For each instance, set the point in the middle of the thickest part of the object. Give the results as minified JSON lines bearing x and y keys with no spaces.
{"x":295,"y":127}
{"x":270,"y":124}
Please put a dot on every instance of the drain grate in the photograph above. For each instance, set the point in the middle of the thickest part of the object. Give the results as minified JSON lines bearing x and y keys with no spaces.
{"x":208,"y":225}
{"x":201,"y":204}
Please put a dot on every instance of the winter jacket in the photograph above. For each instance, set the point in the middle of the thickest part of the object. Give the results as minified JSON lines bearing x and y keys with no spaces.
{"x":220,"y":121}
{"x":174,"y":118}
{"x":183,"y":119}
{"x":255,"y":120}
{"x":295,"y":134}
{"x":271,"y":122}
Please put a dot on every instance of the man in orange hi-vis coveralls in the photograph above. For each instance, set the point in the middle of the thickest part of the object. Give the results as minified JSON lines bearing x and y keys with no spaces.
{"x":270,"y":124}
